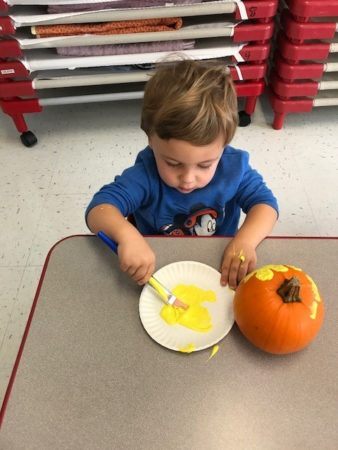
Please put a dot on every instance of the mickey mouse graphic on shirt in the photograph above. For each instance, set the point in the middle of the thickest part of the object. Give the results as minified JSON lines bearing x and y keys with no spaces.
{"x":201,"y":221}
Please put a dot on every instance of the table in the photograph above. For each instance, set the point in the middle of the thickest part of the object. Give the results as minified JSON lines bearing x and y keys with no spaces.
{"x":91,"y":378}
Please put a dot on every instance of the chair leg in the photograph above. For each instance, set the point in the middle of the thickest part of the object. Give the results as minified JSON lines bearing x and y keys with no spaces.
{"x":27,"y":137}
{"x":250,"y":105}
{"x":278,"y":120}
{"x":20,"y":122}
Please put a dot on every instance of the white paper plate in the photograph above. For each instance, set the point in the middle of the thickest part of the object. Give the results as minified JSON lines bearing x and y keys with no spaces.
{"x":177,"y":336}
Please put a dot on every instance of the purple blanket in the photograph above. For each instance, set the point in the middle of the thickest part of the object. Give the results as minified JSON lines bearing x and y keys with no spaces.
{"x":56,"y":9}
{"x":123,"y":49}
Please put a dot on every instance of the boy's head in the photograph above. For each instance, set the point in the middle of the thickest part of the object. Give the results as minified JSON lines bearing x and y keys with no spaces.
{"x":189,"y":114}
{"x":190,"y":101}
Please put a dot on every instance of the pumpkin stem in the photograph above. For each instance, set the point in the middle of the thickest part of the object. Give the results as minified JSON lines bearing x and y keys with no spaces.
{"x":289,"y":290}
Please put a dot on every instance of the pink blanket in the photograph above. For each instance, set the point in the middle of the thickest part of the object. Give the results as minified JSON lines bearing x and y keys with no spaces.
{"x":55,"y":9}
{"x":122,"y":49}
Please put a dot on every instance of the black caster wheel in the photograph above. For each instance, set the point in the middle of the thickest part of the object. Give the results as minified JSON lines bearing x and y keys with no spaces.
{"x":28,"y":139}
{"x":244,"y":119}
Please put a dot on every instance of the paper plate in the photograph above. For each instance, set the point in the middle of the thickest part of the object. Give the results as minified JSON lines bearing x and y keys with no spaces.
{"x":176,"y":337}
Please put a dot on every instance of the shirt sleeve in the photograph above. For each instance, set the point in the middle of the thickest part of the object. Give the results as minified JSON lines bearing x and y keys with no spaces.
{"x":128,"y":192}
{"x":253,"y":190}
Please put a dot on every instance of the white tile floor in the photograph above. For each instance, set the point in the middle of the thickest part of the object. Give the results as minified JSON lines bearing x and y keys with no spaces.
{"x":44,"y":190}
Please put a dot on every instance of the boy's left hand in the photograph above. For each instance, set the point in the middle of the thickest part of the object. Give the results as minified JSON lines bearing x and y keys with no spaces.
{"x":239,"y":258}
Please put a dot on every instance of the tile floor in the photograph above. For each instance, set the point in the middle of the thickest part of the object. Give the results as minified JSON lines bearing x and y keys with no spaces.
{"x":45,"y":189}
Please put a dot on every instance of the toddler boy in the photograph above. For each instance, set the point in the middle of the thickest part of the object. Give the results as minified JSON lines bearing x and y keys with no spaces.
{"x":188,"y":180}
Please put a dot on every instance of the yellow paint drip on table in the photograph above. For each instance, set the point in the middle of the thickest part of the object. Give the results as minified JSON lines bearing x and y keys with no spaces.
{"x":214,"y":350}
{"x":196,"y":317}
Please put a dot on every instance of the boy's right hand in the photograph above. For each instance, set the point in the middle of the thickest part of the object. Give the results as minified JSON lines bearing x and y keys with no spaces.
{"x":137,"y":259}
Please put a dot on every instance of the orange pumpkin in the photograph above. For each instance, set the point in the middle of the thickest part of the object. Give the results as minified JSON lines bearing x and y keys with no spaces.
{"x":278,"y":308}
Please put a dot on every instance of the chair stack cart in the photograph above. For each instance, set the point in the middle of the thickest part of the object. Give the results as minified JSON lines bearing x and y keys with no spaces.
{"x":305,"y":67}
{"x":71,"y":51}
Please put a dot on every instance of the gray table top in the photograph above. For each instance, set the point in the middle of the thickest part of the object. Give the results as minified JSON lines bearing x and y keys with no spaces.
{"x":91,"y":378}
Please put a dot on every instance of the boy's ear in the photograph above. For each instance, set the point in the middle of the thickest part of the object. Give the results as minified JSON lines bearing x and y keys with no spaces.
{"x":150,"y":141}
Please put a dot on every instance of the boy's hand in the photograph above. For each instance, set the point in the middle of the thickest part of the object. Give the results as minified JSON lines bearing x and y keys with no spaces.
{"x":137,"y":259}
{"x":239,"y":259}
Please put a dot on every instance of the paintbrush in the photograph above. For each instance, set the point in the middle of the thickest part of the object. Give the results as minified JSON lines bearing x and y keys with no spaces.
{"x":164,"y":293}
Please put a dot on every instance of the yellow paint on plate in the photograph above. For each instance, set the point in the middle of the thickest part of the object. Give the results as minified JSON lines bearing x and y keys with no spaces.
{"x":188,"y":348}
{"x":196,"y":317}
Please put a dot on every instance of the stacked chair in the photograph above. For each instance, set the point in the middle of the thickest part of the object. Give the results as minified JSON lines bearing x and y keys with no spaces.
{"x":305,"y":68}
{"x":94,"y":51}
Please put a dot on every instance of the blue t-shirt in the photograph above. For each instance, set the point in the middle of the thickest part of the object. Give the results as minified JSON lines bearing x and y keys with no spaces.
{"x":213,"y":209}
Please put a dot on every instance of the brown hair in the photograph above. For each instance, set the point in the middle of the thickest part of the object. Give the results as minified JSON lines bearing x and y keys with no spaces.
{"x":191,"y":101}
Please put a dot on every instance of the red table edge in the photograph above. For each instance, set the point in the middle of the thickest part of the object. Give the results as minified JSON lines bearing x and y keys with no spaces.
{"x":42,"y":276}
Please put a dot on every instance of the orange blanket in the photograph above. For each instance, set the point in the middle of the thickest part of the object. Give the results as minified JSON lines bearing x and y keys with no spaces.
{"x":122,"y":27}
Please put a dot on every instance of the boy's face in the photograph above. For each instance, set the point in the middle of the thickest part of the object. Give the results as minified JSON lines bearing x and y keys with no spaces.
{"x":185,"y":166}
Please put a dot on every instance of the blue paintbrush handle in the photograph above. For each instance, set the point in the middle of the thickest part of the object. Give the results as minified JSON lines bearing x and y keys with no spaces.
{"x":164,"y":293}
{"x":109,"y":242}
{"x":161,"y":290}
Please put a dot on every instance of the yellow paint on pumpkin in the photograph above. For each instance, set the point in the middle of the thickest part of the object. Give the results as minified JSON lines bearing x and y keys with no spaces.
{"x":314,"y":289}
{"x":316,"y":299}
{"x":313,"y":309}
{"x":265,"y":273}
{"x":214,"y":350}
{"x":188,"y":348}
{"x":196,"y":317}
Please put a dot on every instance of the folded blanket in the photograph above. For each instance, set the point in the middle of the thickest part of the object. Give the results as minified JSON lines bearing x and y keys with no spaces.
{"x":123,"y":49}
{"x":122,"y":27}
{"x":56,"y":9}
